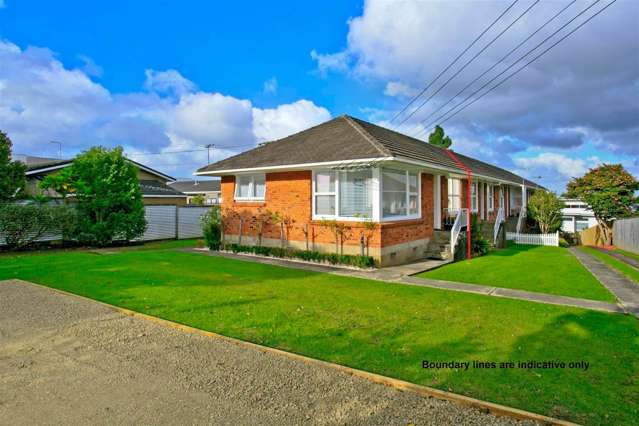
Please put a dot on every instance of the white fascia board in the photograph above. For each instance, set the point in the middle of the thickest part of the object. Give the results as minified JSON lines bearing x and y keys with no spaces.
{"x":164,"y":196}
{"x":47,"y":169}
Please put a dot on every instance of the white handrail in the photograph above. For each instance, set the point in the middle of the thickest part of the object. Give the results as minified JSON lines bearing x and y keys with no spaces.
{"x":460,"y":221}
{"x":498,"y":220}
{"x":520,"y":219}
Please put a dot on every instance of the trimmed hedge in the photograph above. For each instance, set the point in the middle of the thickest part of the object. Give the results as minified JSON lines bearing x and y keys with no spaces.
{"x":311,"y":256}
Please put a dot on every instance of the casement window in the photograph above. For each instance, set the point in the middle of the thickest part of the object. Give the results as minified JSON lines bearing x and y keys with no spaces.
{"x":490,"y":189}
{"x":400,"y":193}
{"x":250,"y":187}
{"x":356,"y":193}
{"x":454,"y":194}
{"x":324,"y":193}
{"x":343,"y":194}
{"x":473,"y":197}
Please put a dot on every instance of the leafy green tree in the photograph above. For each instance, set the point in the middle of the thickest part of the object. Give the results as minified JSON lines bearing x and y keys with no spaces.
{"x":60,"y":182}
{"x":438,"y":138}
{"x":197,"y":200}
{"x":609,"y":190}
{"x":212,"y":228}
{"x":107,"y":191}
{"x":545,"y":208}
{"x":12,"y":173}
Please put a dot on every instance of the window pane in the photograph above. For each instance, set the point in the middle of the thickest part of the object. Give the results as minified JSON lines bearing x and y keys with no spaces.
{"x":325,"y":205}
{"x":394,"y":203}
{"x":243,"y":186}
{"x":412,"y":182}
{"x":258,"y":186}
{"x":412,"y":204}
{"x":355,"y":193}
{"x":394,"y":180}
{"x":325,"y":182}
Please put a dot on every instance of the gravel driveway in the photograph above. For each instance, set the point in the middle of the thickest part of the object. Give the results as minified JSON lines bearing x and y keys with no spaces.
{"x":64,"y":360}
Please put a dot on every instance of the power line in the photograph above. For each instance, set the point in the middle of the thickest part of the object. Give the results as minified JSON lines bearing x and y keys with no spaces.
{"x":454,"y":61}
{"x":482,"y":50}
{"x":518,"y":70}
{"x":186,"y":150}
{"x":500,"y":61}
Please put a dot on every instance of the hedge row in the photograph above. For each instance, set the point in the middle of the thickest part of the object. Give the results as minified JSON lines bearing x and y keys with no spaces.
{"x":311,"y":256}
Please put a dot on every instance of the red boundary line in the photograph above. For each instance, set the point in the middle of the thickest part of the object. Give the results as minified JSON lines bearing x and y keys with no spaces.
{"x":469,"y":173}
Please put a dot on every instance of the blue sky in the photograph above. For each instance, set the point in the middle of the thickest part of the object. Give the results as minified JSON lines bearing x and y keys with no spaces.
{"x":165,"y":76}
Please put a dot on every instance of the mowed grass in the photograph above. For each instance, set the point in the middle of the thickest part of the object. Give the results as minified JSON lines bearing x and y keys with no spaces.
{"x":551,"y":270}
{"x":374,"y":326}
{"x":624,"y":268}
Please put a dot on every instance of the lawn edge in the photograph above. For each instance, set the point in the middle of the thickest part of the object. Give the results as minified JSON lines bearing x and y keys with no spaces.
{"x":401,"y":385}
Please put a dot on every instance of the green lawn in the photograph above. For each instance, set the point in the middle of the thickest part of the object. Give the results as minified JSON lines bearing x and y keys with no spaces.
{"x":628,"y":253}
{"x":617,"y":264}
{"x":380,"y":327}
{"x":552,"y":270}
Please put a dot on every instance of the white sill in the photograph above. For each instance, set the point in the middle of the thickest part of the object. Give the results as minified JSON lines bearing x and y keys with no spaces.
{"x":343,"y":218}
{"x":400,"y":218}
{"x":249,"y":199}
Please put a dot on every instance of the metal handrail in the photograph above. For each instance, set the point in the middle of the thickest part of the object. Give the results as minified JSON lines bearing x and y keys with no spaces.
{"x":460,"y":220}
{"x":498,"y":220}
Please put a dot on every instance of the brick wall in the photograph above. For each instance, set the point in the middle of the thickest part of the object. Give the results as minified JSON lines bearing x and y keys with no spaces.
{"x":289,"y":194}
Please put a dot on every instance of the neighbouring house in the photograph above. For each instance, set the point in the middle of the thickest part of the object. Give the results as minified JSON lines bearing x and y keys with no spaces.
{"x":576,"y":216}
{"x":209,"y":190}
{"x":153,"y":183}
{"x":352,"y":171}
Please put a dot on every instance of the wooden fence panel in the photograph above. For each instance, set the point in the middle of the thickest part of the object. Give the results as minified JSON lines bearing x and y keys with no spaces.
{"x":625,"y":234}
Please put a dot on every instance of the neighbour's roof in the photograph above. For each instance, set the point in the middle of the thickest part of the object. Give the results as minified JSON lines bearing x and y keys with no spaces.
{"x":36,"y":165}
{"x":347,"y":138}
{"x":155,"y":188}
{"x":198,"y":186}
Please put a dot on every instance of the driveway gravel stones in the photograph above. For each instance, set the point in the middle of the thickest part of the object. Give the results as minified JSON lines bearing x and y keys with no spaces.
{"x":64,"y":360}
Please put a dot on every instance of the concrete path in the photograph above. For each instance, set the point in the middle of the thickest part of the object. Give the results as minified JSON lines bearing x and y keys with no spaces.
{"x":626,"y":291}
{"x":66,"y":360}
{"x":403,"y":275}
{"x":619,"y":256}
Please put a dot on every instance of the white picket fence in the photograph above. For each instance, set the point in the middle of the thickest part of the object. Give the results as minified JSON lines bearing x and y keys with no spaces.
{"x":534,"y":239}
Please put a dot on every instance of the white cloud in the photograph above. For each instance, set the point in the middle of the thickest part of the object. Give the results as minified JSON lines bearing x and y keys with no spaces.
{"x":331,"y":62}
{"x":558,"y":163}
{"x":270,"y":86}
{"x":399,"y":89}
{"x":275,"y":123}
{"x":41,"y":100}
{"x":90,"y":68}
{"x":2,"y":4}
{"x":168,"y":82}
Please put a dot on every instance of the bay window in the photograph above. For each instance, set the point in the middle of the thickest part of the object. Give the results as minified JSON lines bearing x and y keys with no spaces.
{"x":250,"y":187}
{"x":400,"y":193}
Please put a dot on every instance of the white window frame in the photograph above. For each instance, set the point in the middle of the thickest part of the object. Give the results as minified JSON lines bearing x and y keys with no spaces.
{"x":408,"y":216}
{"x":251,"y":187}
{"x":474,"y":197}
{"x":491,"y":197}
{"x":451,"y":194}
{"x":377,"y":192}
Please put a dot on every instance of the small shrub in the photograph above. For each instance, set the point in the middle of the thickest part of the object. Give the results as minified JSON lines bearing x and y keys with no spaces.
{"x":212,"y":228}
{"x":307,"y":255}
{"x":563,"y":243}
{"x":23,"y":224}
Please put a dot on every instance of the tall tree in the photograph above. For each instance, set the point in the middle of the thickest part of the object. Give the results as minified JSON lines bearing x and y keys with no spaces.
{"x":438,"y":138}
{"x":545,"y":208}
{"x":109,"y":200}
{"x":12,"y":173}
{"x":609,"y":190}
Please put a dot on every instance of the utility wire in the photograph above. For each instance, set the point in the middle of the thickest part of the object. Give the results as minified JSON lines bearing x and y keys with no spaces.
{"x":437,"y":120}
{"x":186,"y":151}
{"x":454,"y":61}
{"x":499,"y":62}
{"x":482,"y":50}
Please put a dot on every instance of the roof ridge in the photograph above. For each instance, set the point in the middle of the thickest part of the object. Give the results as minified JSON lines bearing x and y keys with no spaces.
{"x":379,"y":147}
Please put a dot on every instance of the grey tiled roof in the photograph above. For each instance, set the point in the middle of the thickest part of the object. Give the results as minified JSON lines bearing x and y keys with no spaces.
{"x":347,"y":138}
{"x":196,"y":185}
{"x":154,"y":187}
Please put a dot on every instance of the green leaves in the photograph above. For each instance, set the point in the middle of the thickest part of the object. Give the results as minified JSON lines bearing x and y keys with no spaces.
{"x":545,"y":208}
{"x":438,"y":138}
{"x":12,"y":173}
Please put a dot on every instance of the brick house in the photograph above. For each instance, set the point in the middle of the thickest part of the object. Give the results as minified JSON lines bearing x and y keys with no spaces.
{"x":351,"y":171}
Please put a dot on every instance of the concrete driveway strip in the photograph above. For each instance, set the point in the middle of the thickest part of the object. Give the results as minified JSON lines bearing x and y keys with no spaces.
{"x":64,"y":360}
